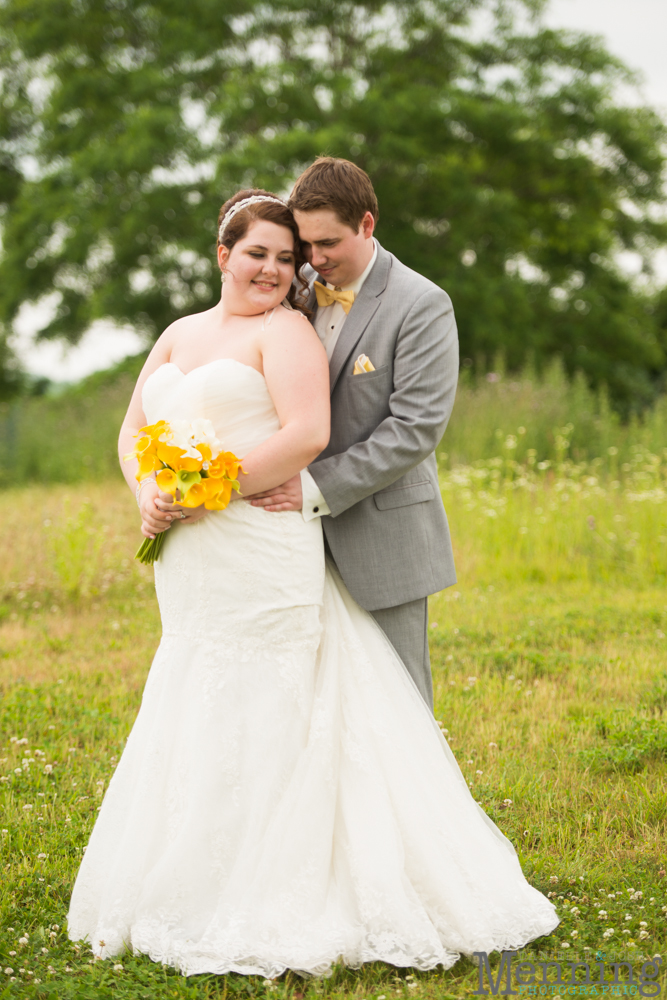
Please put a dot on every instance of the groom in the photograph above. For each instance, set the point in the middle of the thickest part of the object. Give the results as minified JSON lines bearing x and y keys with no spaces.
{"x":391,"y":340}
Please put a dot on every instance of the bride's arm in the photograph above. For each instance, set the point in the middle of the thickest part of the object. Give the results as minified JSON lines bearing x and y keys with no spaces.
{"x":153,"y":520}
{"x":297,"y":375}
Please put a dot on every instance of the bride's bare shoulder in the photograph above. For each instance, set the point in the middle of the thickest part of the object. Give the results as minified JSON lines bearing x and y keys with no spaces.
{"x":292,"y":320}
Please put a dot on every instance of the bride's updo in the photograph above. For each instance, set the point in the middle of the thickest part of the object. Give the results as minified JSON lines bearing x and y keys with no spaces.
{"x":274,"y":210}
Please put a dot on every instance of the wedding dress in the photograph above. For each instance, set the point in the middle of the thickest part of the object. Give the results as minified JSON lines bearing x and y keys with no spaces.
{"x":285,"y":799}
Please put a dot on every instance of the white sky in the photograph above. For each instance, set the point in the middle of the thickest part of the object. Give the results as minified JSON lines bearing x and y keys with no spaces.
{"x":635,"y":30}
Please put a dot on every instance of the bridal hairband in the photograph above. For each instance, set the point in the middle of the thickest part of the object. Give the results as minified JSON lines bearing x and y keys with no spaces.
{"x":244,"y":204}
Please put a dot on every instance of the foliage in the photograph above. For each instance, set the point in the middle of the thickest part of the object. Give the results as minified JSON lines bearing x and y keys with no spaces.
{"x":528,"y":676}
{"x":69,"y":437}
{"x":505,"y":170}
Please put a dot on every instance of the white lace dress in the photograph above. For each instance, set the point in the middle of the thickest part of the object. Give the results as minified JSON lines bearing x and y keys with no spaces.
{"x":285,"y":799}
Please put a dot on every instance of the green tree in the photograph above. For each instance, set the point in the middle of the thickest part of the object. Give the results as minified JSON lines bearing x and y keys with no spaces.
{"x":505,"y":168}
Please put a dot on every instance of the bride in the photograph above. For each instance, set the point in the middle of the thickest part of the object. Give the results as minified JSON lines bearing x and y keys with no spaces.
{"x":285,"y":799}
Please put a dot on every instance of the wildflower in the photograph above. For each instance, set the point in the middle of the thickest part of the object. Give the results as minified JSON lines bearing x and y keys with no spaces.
{"x":119,"y":968}
{"x":12,"y":954}
{"x":494,"y":745}
{"x":8,"y":971}
{"x":23,"y":940}
{"x":48,"y":768}
{"x":45,"y":951}
{"x":643,"y":935}
{"x":41,"y":856}
{"x":565,"y":944}
{"x":574,"y":934}
{"x":626,"y":930}
{"x":479,"y":772}
{"x":602,"y":914}
{"x":642,"y":923}
{"x":608,"y":933}
{"x":505,"y":804}
{"x":575,"y":911}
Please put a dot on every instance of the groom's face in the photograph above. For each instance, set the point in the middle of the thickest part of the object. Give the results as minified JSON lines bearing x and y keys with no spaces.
{"x":338,"y":253}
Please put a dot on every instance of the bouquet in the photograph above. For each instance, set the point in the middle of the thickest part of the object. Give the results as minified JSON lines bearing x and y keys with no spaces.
{"x":188,"y":459}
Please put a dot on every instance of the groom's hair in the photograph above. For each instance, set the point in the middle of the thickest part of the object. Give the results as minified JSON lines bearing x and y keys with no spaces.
{"x":339,"y":185}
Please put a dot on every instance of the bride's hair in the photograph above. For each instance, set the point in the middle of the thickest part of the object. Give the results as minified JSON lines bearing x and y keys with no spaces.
{"x":271,"y":211}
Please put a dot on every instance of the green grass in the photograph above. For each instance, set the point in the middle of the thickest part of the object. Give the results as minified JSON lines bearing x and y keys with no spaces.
{"x":549,"y":669}
{"x":72,"y":437}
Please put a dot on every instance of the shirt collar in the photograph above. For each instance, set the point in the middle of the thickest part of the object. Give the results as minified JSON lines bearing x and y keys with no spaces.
{"x":356,"y":285}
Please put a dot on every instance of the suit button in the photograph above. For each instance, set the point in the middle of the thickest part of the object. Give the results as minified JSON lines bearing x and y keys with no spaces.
{"x":316,"y":510}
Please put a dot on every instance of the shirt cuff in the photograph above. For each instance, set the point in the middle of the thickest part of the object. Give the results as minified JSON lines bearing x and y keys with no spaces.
{"x":314,"y":504}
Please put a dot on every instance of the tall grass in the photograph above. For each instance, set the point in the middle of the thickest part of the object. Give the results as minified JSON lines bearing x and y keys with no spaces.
{"x":72,"y":437}
{"x":547,"y":418}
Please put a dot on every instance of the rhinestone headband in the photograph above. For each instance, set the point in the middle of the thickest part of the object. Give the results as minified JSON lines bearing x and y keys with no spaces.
{"x":240,"y":205}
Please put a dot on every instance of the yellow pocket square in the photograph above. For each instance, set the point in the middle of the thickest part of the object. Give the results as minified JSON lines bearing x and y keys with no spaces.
{"x":363,"y":364}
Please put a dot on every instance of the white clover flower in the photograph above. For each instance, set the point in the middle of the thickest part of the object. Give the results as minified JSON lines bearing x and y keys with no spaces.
{"x":8,"y":971}
{"x":574,"y":934}
{"x":643,"y":935}
{"x":23,"y":940}
{"x":565,"y":944}
{"x":642,"y":923}
{"x":602,"y":914}
{"x":117,"y":968}
{"x":608,"y":933}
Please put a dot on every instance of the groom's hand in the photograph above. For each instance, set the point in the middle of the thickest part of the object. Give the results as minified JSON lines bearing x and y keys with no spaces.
{"x":285,"y":497}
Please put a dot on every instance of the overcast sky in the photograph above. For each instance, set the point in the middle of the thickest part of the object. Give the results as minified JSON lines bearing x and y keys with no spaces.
{"x":636,"y":30}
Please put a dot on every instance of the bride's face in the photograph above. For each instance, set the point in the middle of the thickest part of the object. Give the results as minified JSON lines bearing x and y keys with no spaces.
{"x":259,"y":268}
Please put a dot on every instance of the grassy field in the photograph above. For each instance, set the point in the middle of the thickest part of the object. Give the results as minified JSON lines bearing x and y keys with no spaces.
{"x":550,"y":677}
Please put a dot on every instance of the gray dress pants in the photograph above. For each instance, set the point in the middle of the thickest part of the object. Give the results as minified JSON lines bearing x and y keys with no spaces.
{"x":406,"y":627}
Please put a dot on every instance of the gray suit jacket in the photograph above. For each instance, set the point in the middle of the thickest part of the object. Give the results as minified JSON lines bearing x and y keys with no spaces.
{"x":388,"y":530}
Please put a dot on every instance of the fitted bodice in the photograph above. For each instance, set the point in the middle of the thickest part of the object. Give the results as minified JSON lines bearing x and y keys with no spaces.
{"x":233,"y":396}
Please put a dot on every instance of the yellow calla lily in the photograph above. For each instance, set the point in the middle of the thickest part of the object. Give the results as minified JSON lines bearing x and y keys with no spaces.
{"x":221,"y":497}
{"x":154,"y":431}
{"x":204,"y":451}
{"x":226,"y":465}
{"x":167,"y":480}
{"x":169,"y":454}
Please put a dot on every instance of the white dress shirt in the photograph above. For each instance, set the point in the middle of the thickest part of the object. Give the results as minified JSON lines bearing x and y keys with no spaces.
{"x":329,"y":321}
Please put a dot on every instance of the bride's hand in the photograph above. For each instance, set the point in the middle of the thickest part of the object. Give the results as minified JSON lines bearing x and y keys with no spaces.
{"x":153,"y":520}
{"x":184,"y":515}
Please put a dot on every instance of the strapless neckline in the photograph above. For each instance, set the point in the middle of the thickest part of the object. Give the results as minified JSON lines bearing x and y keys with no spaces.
{"x":217,"y":361}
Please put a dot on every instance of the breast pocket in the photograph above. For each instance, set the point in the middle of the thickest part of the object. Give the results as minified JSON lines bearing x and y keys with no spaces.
{"x":401,"y":496}
{"x":362,"y":377}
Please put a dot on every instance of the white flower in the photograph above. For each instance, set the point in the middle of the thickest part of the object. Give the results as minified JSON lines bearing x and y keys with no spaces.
{"x":642,"y":923}
{"x":23,"y":940}
{"x":608,"y":933}
{"x":575,"y":911}
{"x":574,"y":934}
{"x":565,"y":944}
{"x":41,"y":856}
{"x":118,"y":967}
{"x":48,"y":768}
{"x":8,"y":971}
{"x":602,"y":914}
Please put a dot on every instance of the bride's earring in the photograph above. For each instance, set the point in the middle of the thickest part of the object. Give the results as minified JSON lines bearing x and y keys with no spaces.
{"x":223,"y":276}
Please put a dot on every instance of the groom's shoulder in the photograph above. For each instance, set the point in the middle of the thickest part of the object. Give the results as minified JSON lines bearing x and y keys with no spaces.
{"x":408,"y":283}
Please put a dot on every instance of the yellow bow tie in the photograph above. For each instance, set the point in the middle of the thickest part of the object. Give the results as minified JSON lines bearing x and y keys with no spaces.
{"x":327,"y":296}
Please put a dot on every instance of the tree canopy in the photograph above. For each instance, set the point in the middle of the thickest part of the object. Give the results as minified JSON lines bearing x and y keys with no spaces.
{"x":505,"y":167}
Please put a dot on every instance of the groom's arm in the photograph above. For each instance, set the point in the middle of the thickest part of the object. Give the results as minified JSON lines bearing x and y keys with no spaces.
{"x":426,"y":368}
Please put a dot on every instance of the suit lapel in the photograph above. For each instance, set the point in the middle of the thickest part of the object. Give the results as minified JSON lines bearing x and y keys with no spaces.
{"x":365,"y":306}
